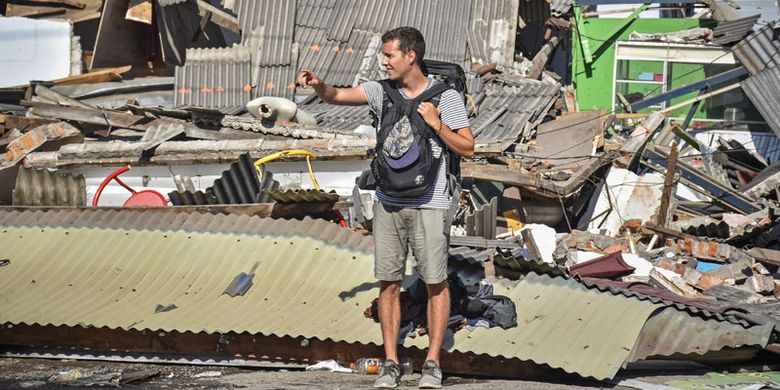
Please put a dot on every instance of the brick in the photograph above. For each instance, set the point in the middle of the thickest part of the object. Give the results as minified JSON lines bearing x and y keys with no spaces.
{"x":616,"y":248}
{"x":708,"y":281}
{"x":760,"y":269}
{"x":762,"y":284}
{"x":633,"y":224}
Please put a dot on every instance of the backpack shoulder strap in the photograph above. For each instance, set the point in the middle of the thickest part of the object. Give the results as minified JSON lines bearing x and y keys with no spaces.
{"x":391,"y":92}
{"x":432,"y":93}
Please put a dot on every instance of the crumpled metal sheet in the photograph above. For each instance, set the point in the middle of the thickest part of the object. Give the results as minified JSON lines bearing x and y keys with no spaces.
{"x":763,"y":89}
{"x":671,"y":332}
{"x":710,"y":310}
{"x":41,"y":187}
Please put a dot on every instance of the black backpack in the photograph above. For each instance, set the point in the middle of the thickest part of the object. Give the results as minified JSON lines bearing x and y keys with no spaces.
{"x":454,"y":76}
{"x":416,"y":179}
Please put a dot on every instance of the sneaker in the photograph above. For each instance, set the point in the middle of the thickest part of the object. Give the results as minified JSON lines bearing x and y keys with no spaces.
{"x":431,"y":376}
{"x":389,"y":375}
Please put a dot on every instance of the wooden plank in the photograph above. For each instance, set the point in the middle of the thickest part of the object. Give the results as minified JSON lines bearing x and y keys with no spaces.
{"x":93,"y":77}
{"x":668,"y":191}
{"x":219,"y":17}
{"x":254,"y":346}
{"x":121,"y":42}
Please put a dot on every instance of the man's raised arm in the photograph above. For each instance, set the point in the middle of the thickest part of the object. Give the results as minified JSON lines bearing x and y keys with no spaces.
{"x":353,"y":96}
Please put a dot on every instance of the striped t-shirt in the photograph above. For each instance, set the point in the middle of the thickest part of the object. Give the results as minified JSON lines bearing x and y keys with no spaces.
{"x":453,"y":114}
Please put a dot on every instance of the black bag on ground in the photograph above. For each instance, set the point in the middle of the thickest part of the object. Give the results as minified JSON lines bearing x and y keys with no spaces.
{"x":404,"y":165}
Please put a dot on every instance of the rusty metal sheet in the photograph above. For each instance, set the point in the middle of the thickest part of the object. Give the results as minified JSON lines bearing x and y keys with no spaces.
{"x":671,"y":332}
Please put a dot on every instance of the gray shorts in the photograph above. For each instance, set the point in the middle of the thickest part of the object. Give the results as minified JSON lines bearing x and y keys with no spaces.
{"x":398,"y":228}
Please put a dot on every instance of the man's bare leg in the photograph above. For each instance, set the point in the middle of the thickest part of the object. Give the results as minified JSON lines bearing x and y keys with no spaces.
{"x":390,"y":317}
{"x":438,"y":316}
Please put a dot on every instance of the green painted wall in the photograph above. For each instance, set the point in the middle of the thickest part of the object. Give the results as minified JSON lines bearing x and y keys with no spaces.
{"x":593,"y":82}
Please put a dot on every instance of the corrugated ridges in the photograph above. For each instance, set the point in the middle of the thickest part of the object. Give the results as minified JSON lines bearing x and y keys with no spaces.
{"x":443,"y":23}
{"x":671,"y":332}
{"x":275,"y":81}
{"x":162,"y":220}
{"x":314,"y":15}
{"x":759,"y":50}
{"x":41,"y":187}
{"x":217,"y":77}
{"x":239,"y":184}
{"x":376,"y":15}
{"x":278,"y":19}
{"x":482,"y":222}
{"x":484,"y":25}
{"x":522,"y":104}
{"x":302,"y":288}
{"x":763,"y":89}
{"x":693,"y":310}
{"x":302,"y":196}
{"x":188,"y":198}
{"x":339,"y":117}
{"x":347,"y":62}
{"x":534,"y":11}
{"x":340,"y":28}
{"x":734,"y":30}
{"x":315,"y":51}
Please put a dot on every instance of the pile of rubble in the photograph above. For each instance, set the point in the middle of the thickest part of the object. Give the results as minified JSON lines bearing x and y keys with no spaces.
{"x":611,"y":234}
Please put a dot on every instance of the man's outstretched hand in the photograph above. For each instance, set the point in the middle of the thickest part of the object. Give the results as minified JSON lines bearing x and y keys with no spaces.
{"x":308,"y":78}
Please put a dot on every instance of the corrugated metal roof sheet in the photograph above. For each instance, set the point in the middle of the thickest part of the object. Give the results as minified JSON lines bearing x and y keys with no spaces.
{"x":339,"y":117}
{"x":314,"y":15}
{"x":377,"y":15}
{"x":275,"y":81}
{"x":734,"y":30}
{"x":710,"y":310}
{"x":443,"y":23}
{"x":759,"y":50}
{"x":348,"y":61}
{"x":218,"y":77}
{"x":302,"y":196}
{"x":491,"y":31}
{"x":278,"y":19}
{"x":671,"y":332}
{"x":162,"y":220}
{"x":506,"y":111}
{"x":303,"y":287}
{"x":315,"y":51}
{"x":41,"y":187}
{"x":534,"y":11}
{"x":763,"y":89}
{"x":238,"y":184}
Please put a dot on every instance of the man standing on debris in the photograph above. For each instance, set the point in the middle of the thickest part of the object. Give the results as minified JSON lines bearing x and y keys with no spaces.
{"x":409,"y":210}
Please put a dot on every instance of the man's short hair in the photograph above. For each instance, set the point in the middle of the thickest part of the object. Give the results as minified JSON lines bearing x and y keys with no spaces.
{"x":409,"y":39}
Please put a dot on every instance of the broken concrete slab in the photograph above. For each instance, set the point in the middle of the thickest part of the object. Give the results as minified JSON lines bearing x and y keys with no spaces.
{"x":21,"y":146}
{"x":622,"y":196}
{"x":761,"y":284}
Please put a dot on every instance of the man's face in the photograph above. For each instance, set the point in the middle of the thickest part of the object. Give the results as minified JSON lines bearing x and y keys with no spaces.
{"x":396,"y":62}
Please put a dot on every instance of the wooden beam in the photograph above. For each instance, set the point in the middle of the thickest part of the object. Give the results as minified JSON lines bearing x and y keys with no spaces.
{"x":93,"y":77}
{"x":221,"y":18}
{"x":668,"y":191}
